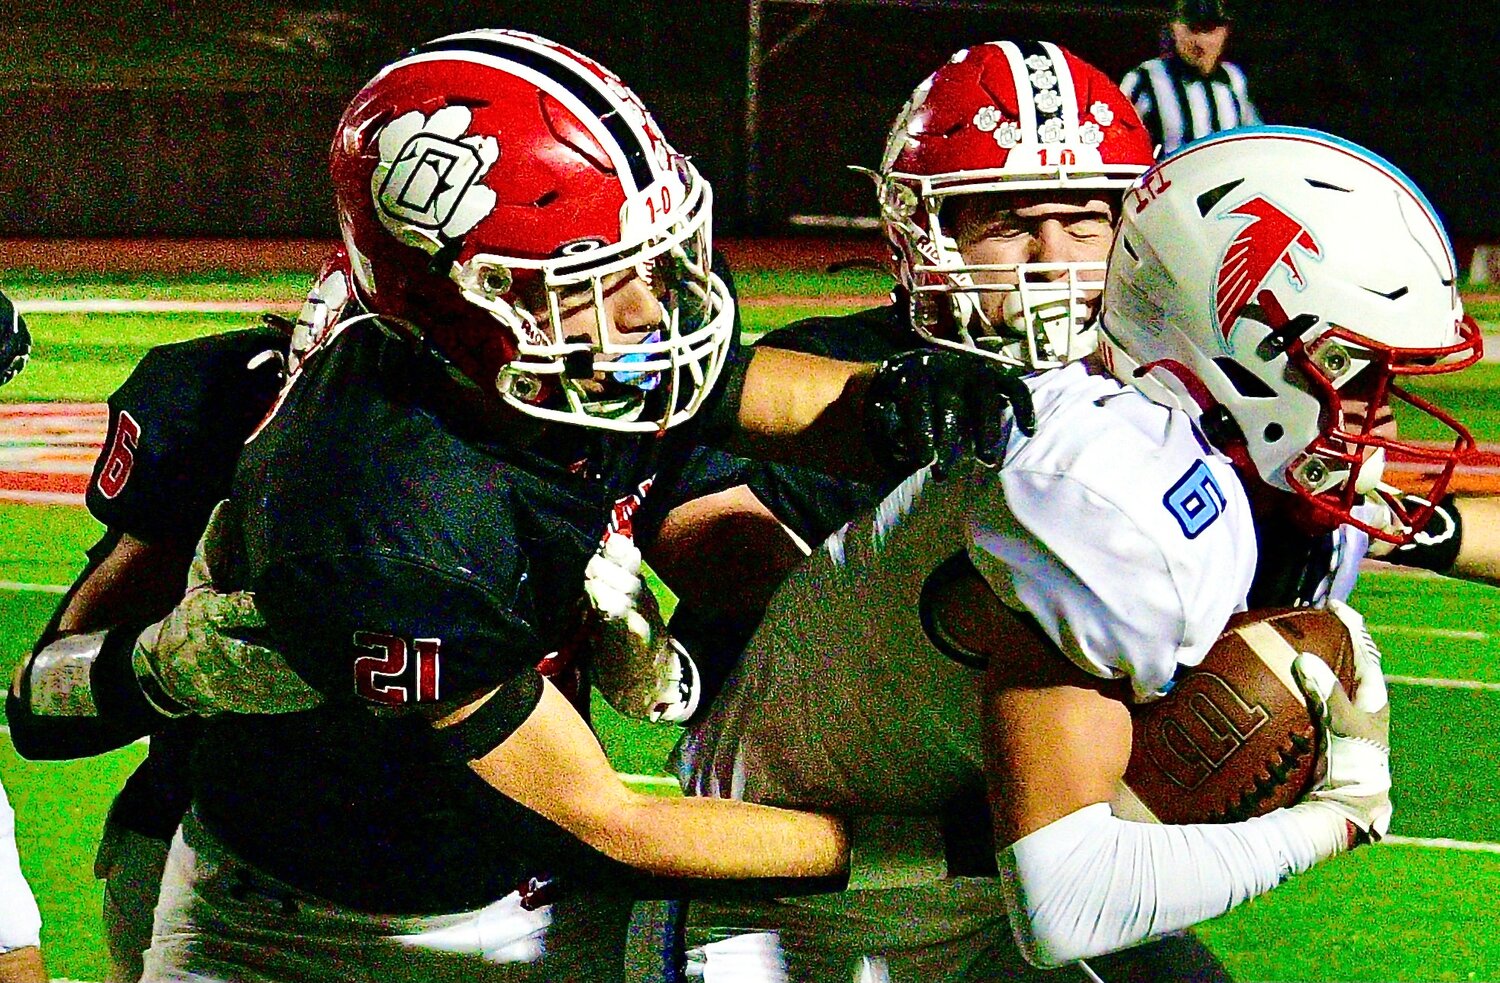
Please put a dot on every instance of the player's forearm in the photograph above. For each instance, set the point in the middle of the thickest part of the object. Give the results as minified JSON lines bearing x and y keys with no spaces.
{"x":1479,"y":549}
{"x":817,"y":423}
{"x":720,"y":838}
{"x":1090,"y":883}
{"x":553,"y":765}
{"x":23,"y":965}
{"x":79,"y":696}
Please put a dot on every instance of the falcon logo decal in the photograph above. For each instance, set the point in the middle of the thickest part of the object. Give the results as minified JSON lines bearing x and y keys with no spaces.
{"x":1267,"y":241}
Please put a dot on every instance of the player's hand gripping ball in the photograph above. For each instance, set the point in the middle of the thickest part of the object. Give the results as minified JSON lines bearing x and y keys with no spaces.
{"x":1235,"y":737}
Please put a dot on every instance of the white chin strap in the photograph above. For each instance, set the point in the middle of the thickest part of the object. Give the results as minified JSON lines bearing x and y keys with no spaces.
{"x":1370,"y":472}
{"x":1051,"y":322}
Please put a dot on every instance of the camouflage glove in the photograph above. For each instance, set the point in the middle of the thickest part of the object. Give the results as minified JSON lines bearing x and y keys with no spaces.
{"x":1354,"y":773}
{"x":638,"y":667}
{"x":207,"y":656}
{"x":931,"y":407}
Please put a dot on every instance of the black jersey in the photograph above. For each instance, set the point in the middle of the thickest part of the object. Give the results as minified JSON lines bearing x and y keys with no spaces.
{"x":810,"y":503}
{"x":176,"y":428}
{"x":400,"y":559}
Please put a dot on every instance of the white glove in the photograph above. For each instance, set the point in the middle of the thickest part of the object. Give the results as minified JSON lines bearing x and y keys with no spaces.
{"x":202,"y":657}
{"x":1354,"y":775}
{"x":638,"y":667}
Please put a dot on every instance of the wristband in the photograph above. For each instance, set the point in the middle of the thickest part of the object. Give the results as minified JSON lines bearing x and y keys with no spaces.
{"x":1437,"y":545}
{"x":58,"y":677}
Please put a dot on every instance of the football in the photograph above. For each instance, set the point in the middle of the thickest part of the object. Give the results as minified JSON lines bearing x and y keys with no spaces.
{"x":1234,"y":739}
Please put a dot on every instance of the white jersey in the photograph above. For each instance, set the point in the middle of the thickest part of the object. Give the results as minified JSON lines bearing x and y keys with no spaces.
{"x":1114,"y":527}
{"x":20,"y":921}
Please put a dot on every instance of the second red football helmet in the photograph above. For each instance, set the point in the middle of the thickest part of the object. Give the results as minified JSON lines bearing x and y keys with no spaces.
{"x":1004,"y":116}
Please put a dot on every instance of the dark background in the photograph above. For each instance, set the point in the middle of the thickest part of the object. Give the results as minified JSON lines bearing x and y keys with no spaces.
{"x":143,"y":117}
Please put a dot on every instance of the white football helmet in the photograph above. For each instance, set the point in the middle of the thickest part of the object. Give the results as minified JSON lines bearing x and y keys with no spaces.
{"x":1275,"y":283}
{"x":1007,"y":116}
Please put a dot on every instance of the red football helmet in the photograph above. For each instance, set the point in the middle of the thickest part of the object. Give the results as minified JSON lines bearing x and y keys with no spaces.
{"x":490,"y":182}
{"x":1004,"y":116}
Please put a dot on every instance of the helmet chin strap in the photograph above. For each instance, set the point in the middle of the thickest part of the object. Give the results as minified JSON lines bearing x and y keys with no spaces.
{"x":1370,"y":472}
{"x":1050,"y":325}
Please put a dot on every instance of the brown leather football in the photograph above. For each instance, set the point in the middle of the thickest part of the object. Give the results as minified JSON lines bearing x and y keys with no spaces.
{"x":1233,"y":738}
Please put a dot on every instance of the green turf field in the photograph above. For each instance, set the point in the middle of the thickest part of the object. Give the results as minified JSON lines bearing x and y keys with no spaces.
{"x":1397,"y":912}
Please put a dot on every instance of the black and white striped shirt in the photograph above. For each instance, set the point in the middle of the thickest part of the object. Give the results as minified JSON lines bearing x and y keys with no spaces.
{"x":1179,"y":105}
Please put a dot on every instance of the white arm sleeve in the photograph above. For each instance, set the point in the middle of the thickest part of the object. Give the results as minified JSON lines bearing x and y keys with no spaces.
{"x":1091,"y":883}
{"x":20,"y":921}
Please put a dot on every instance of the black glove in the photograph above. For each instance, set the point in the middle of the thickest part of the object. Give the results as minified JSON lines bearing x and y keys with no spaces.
{"x":931,"y":406}
{"x":15,"y":341}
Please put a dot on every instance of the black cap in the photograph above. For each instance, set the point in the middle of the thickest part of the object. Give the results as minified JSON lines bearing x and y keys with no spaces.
{"x":1201,"y":15}
{"x":15,"y":341}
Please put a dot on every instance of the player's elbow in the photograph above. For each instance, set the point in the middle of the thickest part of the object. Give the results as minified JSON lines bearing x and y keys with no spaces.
{"x":1046,"y":943}
{"x":621,"y":828}
{"x":30,"y":734}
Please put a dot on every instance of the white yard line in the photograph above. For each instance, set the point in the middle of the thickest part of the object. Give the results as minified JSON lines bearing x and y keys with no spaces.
{"x":658,"y":781}
{"x":47,"y":305}
{"x":21,"y":588}
{"x":1469,"y":684}
{"x":39,"y":497}
{"x":1441,"y":843}
{"x":1460,"y":634}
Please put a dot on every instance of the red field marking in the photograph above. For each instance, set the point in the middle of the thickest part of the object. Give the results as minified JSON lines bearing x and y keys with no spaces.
{"x":47,"y":453}
{"x":164,"y":255}
{"x":1480,"y":475}
{"x":269,"y":255}
{"x":47,"y":450}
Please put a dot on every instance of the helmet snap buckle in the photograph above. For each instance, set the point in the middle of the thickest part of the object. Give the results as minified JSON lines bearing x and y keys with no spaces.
{"x":1312,"y":473}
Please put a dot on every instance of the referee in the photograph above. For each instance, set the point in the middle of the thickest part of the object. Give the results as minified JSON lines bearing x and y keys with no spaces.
{"x":1190,"y":92}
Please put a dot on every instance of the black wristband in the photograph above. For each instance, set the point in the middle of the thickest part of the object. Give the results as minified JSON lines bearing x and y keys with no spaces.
{"x":1436,"y":546}
{"x":119,"y":693}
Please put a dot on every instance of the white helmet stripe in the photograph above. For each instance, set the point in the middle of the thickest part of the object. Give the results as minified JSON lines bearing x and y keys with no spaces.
{"x":580,"y":88}
{"x":1025,"y":98}
{"x":1066,"y":90}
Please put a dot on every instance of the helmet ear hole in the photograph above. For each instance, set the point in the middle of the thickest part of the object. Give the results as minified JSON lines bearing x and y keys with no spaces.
{"x":1245,"y":382}
{"x":1213,"y":196}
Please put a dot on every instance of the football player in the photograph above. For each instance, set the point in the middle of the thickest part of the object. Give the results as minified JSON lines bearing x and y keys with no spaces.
{"x":176,"y":427}
{"x":15,"y":341}
{"x":1462,"y":539}
{"x":992,"y":630}
{"x":415,"y":517}
{"x":997,"y":252}
{"x":20,"y":921}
